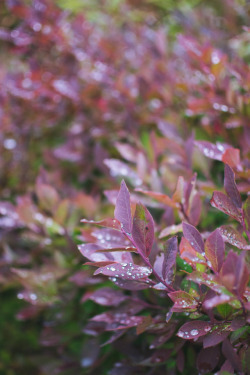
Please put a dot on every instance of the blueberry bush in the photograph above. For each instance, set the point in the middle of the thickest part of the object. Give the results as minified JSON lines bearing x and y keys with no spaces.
{"x":125,"y":145}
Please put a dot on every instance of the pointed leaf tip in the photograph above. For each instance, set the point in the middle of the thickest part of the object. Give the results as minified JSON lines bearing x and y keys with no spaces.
{"x":169,"y":261}
{"x":143,"y":229}
{"x":215,"y":249}
{"x":230,"y":186}
{"x":193,"y":236}
{"x":122,"y":208}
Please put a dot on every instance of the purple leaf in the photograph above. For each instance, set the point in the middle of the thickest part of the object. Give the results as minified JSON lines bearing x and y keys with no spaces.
{"x":227,"y":368}
{"x":230,"y":186}
{"x":215,"y":301}
{"x":114,"y":337}
{"x":107,"y":237}
{"x":242,"y":274}
{"x":234,"y":273}
{"x":180,"y":361}
{"x":193,"y":330}
{"x":208,"y":359}
{"x":160,"y":340}
{"x":169,"y":261}
{"x":125,"y":271}
{"x":194,"y":209}
{"x":225,"y":204}
{"x":117,"y":321}
{"x":108,"y":223}
{"x":123,"y":209}
{"x":232,"y":236}
{"x":215,"y":249}
{"x":214,"y":338}
{"x":119,"y":168}
{"x":90,"y":251}
{"x":210,"y":150}
{"x":106,"y":297}
{"x":160,"y":355}
{"x":147,"y":321}
{"x":143,"y":229}
{"x":231,"y":355}
{"x":132,"y":284}
{"x":193,"y":237}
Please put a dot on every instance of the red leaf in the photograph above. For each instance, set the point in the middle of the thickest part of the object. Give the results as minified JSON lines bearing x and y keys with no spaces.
{"x":194,"y":209}
{"x":182,"y":301}
{"x":162,"y":198}
{"x":225,"y":204}
{"x":230,"y":186}
{"x":194,"y":329}
{"x":143,"y":229}
{"x":215,"y":249}
{"x":231,"y":157}
{"x":193,"y":237}
{"x":123,"y":209}
{"x":232,"y":236}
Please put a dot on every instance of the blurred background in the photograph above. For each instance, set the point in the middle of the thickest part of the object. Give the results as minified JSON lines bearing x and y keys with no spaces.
{"x":87,"y":86}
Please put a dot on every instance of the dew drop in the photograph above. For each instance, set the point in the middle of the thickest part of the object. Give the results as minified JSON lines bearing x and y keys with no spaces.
{"x":194,"y":332}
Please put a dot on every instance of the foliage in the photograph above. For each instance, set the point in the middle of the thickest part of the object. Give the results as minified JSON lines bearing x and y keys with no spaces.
{"x":155,"y":94}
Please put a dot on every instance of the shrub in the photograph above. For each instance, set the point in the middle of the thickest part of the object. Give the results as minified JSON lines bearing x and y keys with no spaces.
{"x":164,"y":110}
{"x":206,"y":277}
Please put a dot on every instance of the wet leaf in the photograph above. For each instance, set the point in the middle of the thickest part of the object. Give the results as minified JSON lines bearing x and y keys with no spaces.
{"x":193,"y":330}
{"x":232,"y":236}
{"x":168,"y":265}
{"x":225,"y":204}
{"x":230,"y":186}
{"x":143,"y":229}
{"x":108,"y":223}
{"x":123,"y":209}
{"x":210,"y":150}
{"x":182,"y":301}
{"x":193,"y":237}
{"x":125,"y":271}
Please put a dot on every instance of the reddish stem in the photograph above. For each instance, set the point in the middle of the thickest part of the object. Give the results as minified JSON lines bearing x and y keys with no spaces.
{"x":146,"y":260}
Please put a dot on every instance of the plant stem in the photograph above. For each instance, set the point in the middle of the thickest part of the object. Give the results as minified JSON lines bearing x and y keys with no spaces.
{"x":146,"y":260}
